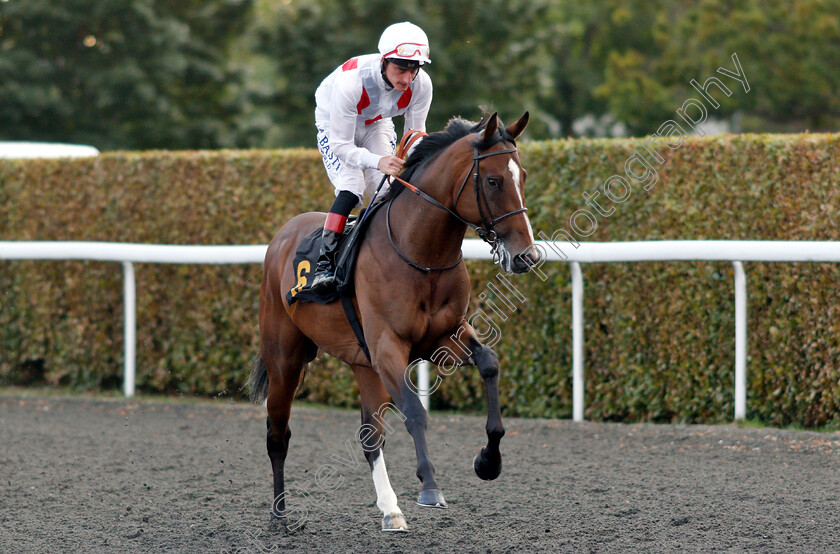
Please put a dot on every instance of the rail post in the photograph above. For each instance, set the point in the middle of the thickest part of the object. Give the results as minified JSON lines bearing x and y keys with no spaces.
{"x":130,"y":331}
{"x":740,"y":341}
{"x":577,"y":342}
{"x":423,"y":383}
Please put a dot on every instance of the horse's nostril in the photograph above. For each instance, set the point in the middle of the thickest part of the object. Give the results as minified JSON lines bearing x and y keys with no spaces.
{"x":531,"y":258}
{"x":525,"y":261}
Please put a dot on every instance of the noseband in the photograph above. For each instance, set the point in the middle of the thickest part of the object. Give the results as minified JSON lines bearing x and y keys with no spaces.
{"x":484,"y":231}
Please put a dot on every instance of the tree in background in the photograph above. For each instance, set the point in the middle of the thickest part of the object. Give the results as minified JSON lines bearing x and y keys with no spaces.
{"x":136,"y":74}
{"x":623,"y":61}
{"x":126,"y":74}
{"x":789,"y":51}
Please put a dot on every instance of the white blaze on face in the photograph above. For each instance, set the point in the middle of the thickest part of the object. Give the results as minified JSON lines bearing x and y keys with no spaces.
{"x":516,"y":174}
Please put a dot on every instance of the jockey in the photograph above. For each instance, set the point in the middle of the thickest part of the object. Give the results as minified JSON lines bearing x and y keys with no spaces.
{"x":356,"y":137}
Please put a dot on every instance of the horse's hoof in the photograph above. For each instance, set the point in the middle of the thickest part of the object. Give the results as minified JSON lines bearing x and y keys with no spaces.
{"x":431,"y":498}
{"x":487,"y":467}
{"x":277,"y":525}
{"x":280,"y":524}
{"x":275,"y":517}
{"x":394,"y":523}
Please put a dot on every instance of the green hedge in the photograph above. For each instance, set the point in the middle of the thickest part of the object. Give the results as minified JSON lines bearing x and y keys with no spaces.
{"x":659,"y":336}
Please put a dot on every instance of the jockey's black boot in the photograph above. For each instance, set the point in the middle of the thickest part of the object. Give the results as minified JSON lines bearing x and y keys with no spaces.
{"x":324,"y":279}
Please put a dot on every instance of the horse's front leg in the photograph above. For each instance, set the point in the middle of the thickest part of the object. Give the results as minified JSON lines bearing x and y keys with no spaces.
{"x":375,"y":402}
{"x":488,"y":462}
{"x":462,"y":347}
{"x":391,"y":361}
{"x":416,"y":421}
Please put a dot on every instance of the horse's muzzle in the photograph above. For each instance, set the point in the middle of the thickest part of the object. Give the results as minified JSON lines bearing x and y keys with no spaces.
{"x":523,"y":262}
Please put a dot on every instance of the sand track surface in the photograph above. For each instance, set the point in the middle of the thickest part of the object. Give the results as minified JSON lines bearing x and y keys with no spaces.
{"x":80,"y":474}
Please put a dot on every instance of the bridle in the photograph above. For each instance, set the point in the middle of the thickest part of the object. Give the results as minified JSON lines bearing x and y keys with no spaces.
{"x":484,"y":231}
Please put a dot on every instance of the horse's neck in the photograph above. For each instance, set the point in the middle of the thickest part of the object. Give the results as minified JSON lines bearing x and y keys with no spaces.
{"x":425,"y":233}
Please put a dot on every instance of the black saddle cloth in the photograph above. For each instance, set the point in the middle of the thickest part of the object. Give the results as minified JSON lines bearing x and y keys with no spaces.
{"x":306,"y":259}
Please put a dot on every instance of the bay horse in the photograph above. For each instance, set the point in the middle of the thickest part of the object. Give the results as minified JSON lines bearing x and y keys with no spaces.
{"x":411,"y":295}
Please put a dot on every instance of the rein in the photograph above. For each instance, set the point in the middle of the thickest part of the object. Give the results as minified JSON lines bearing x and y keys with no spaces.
{"x":484,"y":231}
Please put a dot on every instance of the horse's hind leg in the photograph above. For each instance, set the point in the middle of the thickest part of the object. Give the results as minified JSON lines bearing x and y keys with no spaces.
{"x":285,"y":352}
{"x":375,"y":402}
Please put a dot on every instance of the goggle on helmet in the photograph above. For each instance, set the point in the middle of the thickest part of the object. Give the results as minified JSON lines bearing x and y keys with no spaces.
{"x":405,"y":44}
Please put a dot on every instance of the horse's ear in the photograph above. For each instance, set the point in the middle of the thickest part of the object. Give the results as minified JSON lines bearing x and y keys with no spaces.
{"x":516,"y":128}
{"x":492,"y":126}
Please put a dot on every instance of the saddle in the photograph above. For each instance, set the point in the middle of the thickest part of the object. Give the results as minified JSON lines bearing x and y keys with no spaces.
{"x":306,"y":258}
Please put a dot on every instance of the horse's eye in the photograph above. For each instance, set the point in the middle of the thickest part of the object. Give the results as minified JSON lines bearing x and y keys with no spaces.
{"x":494,"y":183}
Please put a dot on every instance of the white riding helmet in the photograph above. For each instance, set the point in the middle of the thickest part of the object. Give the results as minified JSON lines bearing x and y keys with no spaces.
{"x":405,"y":42}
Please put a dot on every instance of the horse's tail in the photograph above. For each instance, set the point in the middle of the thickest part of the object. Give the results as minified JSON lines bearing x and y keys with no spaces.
{"x":257,"y":383}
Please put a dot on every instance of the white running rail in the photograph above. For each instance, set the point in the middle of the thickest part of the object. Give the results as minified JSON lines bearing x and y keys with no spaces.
{"x":593,"y":252}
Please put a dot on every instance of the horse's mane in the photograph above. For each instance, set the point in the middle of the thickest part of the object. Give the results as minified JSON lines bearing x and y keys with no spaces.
{"x":435,"y":143}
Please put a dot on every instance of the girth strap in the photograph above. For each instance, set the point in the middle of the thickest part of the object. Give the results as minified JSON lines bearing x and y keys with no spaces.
{"x":355,"y":324}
